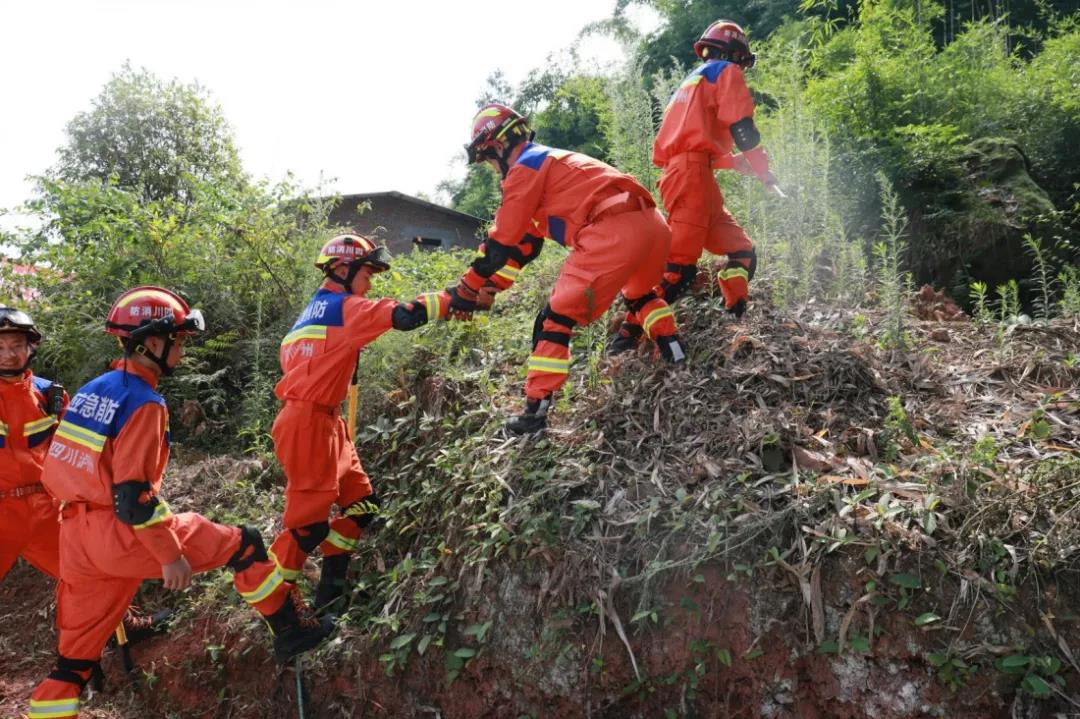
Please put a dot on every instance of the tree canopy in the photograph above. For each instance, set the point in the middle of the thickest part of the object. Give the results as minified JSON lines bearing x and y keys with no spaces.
{"x":155,"y":138}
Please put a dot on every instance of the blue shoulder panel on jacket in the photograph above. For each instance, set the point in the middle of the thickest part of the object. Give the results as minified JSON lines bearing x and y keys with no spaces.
{"x":41,"y":384}
{"x":105,"y":404}
{"x":533,"y":156}
{"x":325,"y":309}
{"x":711,"y":70}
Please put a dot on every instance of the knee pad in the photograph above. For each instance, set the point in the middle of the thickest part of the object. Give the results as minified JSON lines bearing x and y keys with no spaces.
{"x":67,"y":670}
{"x":540,"y":334}
{"x":311,"y":536}
{"x":677,"y":279}
{"x":250,"y":538}
{"x":365,"y":511}
{"x":750,"y":255}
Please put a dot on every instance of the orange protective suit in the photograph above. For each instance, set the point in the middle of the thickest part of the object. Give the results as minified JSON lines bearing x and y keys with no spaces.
{"x":322,"y":468}
{"x":618,"y":242}
{"x":29,"y":517}
{"x":695,"y":138}
{"x":116,"y":431}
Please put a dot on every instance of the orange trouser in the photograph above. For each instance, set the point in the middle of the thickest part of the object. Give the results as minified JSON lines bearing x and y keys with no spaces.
{"x":622,"y":252}
{"x":700,"y":221}
{"x":30,"y":528}
{"x":321,"y":469}
{"x":102,"y":564}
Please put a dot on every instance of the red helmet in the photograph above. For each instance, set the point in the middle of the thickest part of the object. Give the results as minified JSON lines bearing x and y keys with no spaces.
{"x":149,"y":310}
{"x":494,"y":124}
{"x":728,"y":40}
{"x":352,"y":251}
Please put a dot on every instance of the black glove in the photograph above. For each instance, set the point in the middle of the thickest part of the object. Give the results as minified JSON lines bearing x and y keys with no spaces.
{"x":462,"y":301}
{"x":737,"y":309}
{"x":529,"y":248}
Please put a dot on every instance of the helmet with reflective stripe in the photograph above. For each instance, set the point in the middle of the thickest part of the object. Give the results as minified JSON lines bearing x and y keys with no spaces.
{"x":496,"y":124}
{"x":145,"y":311}
{"x":725,"y":40}
{"x":13,"y":320}
{"x":352,"y":250}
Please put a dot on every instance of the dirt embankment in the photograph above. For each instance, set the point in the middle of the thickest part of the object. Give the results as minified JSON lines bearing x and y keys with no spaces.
{"x":797,"y":525}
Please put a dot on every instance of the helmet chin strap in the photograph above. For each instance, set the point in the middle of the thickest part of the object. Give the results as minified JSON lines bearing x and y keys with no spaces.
{"x":159,"y":360}
{"x":350,"y":275}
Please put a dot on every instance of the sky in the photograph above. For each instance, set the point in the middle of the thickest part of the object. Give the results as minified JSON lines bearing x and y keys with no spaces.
{"x":376,"y":94}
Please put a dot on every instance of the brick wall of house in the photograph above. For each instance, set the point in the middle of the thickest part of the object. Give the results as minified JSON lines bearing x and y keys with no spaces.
{"x":395,"y":221}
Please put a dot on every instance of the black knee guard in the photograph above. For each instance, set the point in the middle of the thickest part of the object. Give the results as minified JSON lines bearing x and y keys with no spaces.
{"x":250,"y":539}
{"x":750,"y":255}
{"x":311,"y":536}
{"x":673,"y":290}
{"x":67,"y":670}
{"x":634,"y":306}
{"x":364,"y":511}
{"x":540,"y":334}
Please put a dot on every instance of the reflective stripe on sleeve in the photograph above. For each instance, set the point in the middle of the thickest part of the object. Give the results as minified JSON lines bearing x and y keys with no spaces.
{"x":161,"y":513}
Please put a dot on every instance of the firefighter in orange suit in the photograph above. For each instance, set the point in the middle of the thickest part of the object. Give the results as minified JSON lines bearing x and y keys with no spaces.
{"x":708,"y":115}
{"x":617,"y":238}
{"x":29,"y":411}
{"x":318,"y":358}
{"x":105,"y":464}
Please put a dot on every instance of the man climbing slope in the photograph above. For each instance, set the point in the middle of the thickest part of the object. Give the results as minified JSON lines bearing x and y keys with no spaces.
{"x":318,"y":358}
{"x":708,"y":115}
{"x":618,"y":242}
{"x":106,"y":465}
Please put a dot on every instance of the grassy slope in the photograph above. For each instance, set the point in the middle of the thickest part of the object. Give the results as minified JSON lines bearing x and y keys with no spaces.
{"x":794,"y":498}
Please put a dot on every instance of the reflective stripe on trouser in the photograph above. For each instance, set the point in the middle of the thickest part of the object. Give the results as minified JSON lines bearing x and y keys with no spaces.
{"x":322,"y":469}
{"x":734,"y":283}
{"x":67,"y":706}
{"x":655,"y":318}
{"x":91,"y":603}
{"x":618,"y":253}
{"x":549,"y":363}
{"x":697,"y":215}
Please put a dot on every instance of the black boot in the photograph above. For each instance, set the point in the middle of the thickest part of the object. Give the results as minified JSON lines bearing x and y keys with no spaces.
{"x":626,"y":340}
{"x":533,"y":420}
{"x":672,"y":349}
{"x":296,"y":629}
{"x":333,"y":580}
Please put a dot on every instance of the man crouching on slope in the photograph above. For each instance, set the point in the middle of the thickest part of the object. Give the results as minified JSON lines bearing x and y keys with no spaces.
{"x":318,"y":358}
{"x":106,"y":464}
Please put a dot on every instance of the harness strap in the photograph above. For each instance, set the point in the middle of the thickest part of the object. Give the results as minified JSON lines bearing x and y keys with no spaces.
{"x":22,"y":491}
{"x":617,"y":205}
{"x":314,"y":406}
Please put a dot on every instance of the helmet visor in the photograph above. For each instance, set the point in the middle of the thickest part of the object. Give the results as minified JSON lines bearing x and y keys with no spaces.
{"x":379,"y":258}
{"x":11,"y":317}
{"x":194,"y":322}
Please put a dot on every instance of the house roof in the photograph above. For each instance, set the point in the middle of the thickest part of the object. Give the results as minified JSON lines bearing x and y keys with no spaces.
{"x":415,"y":200}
